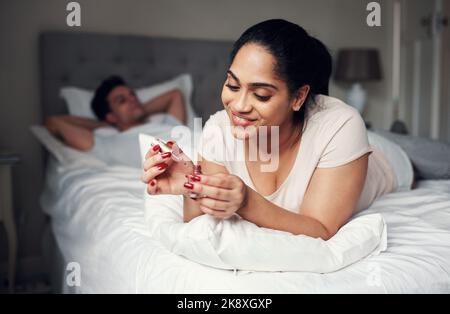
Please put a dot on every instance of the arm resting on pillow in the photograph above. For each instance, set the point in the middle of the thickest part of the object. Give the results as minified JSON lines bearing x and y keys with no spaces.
{"x":171,"y":102}
{"x":256,"y":208}
{"x":331,"y":196}
{"x":328,"y":203}
{"x":74,"y":131}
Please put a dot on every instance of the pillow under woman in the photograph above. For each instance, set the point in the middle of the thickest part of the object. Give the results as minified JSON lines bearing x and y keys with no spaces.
{"x":278,"y":77}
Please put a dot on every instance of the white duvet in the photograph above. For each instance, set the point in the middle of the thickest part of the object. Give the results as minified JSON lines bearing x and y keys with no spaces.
{"x":99,"y":222}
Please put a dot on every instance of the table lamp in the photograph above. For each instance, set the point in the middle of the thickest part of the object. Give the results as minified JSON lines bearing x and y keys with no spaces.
{"x":358,"y":65}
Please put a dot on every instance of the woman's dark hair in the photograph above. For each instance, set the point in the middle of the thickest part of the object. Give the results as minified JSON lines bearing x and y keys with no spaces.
{"x":300,"y":58}
{"x":99,"y":103}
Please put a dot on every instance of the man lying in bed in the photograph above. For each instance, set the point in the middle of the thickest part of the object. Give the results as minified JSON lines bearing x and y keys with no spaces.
{"x":114,"y":104}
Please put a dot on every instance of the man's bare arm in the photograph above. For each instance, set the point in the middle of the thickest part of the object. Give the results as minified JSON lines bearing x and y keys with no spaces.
{"x":76,"y":132}
{"x":171,"y":102}
{"x":85,"y":123}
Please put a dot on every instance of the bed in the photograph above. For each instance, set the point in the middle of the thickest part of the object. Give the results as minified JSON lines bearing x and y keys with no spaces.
{"x":97,"y":216}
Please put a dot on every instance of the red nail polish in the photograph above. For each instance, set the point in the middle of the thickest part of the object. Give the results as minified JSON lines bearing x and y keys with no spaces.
{"x":166,"y":155}
{"x":170,"y":143}
{"x":197,"y":178}
{"x":194,"y":178}
{"x":156,"y":148}
{"x":188,"y":186}
{"x":162,"y":166}
{"x":152,"y":183}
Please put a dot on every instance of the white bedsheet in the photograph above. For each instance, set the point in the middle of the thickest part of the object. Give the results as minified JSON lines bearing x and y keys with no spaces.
{"x":98,"y":221}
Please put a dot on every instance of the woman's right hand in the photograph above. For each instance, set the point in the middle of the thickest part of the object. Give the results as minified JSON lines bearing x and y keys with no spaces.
{"x":164,"y":175}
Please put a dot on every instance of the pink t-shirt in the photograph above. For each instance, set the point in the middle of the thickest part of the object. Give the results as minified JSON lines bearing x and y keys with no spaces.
{"x":334,"y":134}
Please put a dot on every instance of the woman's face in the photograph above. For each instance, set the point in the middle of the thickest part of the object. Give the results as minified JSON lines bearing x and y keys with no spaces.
{"x":253,"y":95}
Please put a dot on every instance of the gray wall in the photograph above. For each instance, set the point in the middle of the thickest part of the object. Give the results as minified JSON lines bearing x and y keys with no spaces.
{"x":414,"y":33}
{"x":338,"y":23}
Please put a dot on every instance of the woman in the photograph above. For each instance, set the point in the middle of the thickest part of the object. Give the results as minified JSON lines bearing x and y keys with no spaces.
{"x":278,"y":77}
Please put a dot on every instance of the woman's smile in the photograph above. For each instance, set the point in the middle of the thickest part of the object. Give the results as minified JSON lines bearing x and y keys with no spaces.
{"x":239,"y":120}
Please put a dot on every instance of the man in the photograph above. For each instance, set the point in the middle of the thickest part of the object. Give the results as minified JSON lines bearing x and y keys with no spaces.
{"x":115,"y":104}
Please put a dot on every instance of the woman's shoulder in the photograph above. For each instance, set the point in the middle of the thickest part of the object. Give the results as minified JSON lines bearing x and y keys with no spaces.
{"x":327,"y":111}
{"x":328,"y":107}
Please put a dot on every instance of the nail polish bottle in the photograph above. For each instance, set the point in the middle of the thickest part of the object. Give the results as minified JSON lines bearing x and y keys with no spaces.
{"x":164,"y":147}
{"x":176,"y":151}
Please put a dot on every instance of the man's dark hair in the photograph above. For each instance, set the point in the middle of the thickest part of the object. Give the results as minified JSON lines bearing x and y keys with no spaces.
{"x":99,"y":103}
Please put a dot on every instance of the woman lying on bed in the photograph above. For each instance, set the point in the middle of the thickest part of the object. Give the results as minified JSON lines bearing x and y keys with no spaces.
{"x":278,"y":77}
{"x":114,"y":104}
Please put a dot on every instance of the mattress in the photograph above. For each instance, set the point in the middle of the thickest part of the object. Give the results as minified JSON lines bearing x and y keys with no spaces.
{"x":98,"y":221}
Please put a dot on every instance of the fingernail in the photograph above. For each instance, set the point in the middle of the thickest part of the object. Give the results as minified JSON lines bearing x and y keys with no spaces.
{"x":162,"y":166}
{"x":170,"y":143}
{"x":166,"y":155}
{"x":152,"y":183}
{"x":156,"y":148}
{"x":194,"y":178}
{"x":197,"y":178}
{"x":188,"y":186}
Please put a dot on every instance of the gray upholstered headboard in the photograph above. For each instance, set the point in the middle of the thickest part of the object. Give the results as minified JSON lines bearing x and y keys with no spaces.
{"x":85,"y":59}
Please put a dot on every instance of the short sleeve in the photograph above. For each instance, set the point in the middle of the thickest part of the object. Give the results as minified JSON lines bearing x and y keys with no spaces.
{"x":346,"y":141}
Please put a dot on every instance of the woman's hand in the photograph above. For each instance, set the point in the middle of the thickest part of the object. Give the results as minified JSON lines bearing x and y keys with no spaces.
{"x":220,"y":195}
{"x":164,"y":175}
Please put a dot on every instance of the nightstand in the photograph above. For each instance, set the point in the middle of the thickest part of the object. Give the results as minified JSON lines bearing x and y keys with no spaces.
{"x":7,"y":160}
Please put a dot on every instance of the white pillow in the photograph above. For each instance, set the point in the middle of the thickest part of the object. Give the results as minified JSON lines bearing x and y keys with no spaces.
{"x":65,"y":155}
{"x":430,"y":157}
{"x":239,"y":244}
{"x":78,"y":100}
{"x":398,"y":159}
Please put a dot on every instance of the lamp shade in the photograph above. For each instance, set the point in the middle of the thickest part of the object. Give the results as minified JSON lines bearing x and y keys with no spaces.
{"x":358,"y":65}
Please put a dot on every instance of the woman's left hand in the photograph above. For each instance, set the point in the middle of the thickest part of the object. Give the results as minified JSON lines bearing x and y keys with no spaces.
{"x":220,"y":195}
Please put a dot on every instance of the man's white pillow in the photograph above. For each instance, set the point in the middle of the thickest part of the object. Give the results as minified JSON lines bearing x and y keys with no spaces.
{"x":78,"y":100}
{"x":239,"y":244}
{"x":182,"y":82}
{"x":65,"y":155}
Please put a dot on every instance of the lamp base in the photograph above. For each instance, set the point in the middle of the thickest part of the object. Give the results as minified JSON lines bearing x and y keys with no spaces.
{"x":356,"y":97}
